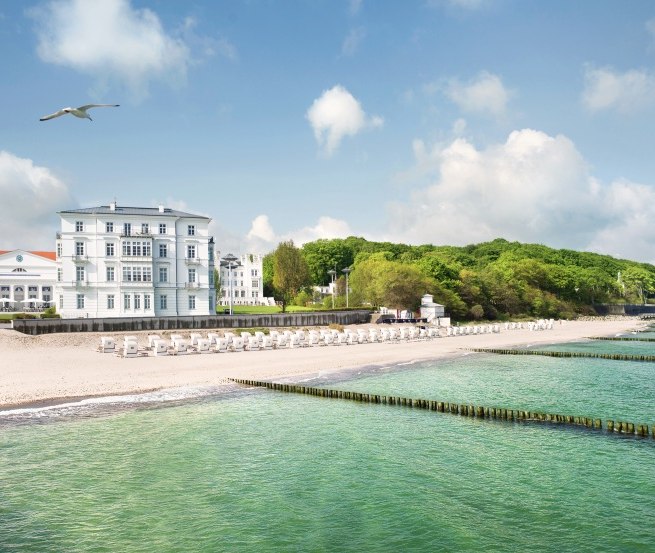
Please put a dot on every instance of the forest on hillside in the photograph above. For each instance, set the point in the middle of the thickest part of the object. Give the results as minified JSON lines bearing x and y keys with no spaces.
{"x":492,"y":280}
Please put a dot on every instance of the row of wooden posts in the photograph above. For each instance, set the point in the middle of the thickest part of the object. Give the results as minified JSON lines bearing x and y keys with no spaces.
{"x":612,"y":356}
{"x":622,"y":339}
{"x":464,"y":409}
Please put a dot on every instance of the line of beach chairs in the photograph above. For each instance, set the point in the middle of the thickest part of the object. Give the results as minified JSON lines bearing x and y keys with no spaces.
{"x":231,"y":342}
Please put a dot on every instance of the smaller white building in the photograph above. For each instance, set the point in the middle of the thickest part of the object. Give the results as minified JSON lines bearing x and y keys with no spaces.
{"x":433,"y":312}
{"x":244,"y":282}
{"x":27,"y":279}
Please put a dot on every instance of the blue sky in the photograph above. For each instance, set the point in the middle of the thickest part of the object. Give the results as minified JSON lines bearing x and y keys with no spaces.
{"x":427,"y":121}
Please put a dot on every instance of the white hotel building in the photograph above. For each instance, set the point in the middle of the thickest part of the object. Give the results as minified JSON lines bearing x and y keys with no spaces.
{"x":244,"y":282}
{"x":115,"y":261}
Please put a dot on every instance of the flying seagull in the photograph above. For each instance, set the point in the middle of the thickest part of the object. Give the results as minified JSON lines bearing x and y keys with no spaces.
{"x":78,"y":112}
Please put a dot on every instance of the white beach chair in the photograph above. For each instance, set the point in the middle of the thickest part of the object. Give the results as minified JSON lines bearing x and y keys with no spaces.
{"x":328,"y":339}
{"x":314,"y":339}
{"x":107,"y":345}
{"x":130,"y":349}
{"x":180,"y":346}
{"x":175,"y":338}
{"x":266,"y":343}
{"x":252,"y":344}
{"x":281,"y":342}
{"x":213,"y":338}
{"x":152,"y":338}
{"x":203,"y":345}
{"x":237,"y":343}
{"x":221,"y":345}
{"x":260,"y":336}
{"x":159,"y":348}
{"x":294,"y":341}
{"x":195,"y":336}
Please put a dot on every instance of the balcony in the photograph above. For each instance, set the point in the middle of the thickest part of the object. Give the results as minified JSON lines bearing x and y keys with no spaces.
{"x":140,"y":258}
{"x":192,"y":285}
{"x":80,"y":258}
{"x":80,"y":283}
{"x":192,"y":260}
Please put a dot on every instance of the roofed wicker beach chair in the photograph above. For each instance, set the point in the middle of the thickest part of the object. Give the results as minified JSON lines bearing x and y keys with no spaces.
{"x":107,"y":345}
{"x":203,"y":345}
{"x":221,"y":345}
{"x":237,"y":343}
{"x":160,"y":348}
{"x":152,"y":338}
{"x":212,"y":337}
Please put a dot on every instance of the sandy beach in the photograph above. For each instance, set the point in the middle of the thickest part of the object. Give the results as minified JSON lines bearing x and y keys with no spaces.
{"x":51,"y":368}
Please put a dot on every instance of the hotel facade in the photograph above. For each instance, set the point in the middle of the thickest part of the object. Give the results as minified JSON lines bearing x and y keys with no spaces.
{"x":27,"y":279}
{"x":115,"y":261}
{"x":244,"y":282}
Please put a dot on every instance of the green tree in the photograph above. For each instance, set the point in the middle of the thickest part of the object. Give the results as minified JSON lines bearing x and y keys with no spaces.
{"x":323,"y":255}
{"x":290,"y":272}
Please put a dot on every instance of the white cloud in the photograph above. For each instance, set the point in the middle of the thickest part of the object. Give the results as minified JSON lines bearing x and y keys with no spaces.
{"x":626,"y":92}
{"x":467,"y":5}
{"x":31,"y":196}
{"x":483,"y":94}
{"x":531,"y":188}
{"x":336,"y":114}
{"x":354,"y":6}
{"x":352,"y":41}
{"x":112,"y":42}
{"x":262,"y":237}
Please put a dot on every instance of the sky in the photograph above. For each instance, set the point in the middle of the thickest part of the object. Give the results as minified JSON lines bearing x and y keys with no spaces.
{"x":416,"y":121}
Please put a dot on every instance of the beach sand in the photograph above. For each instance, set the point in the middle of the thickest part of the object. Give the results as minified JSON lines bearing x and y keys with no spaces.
{"x":51,"y":368}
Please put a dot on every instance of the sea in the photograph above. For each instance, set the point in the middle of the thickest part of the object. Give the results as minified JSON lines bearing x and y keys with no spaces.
{"x":240,"y":469}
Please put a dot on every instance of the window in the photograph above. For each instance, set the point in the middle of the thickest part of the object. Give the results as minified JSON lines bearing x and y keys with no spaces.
{"x":162,"y":228}
{"x":147,"y":274}
{"x":163,"y":302}
{"x":137,"y":301}
{"x":145,"y":228}
{"x":109,"y":228}
{"x":255,"y":294}
{"x":137,"y":248}
{"x":211,"y":253}
{"x":192,"y":302}
{"x":46,"y":297}
{"x":80,"y":301}
{"x":127,"y":274}
{"x":79,"y":248}
{"x":127,"y":229}
{"x":110,"y":301}
{"x":109,"y":249}
{"x":58,"y":275}
{"x":58,"y":250}
{"x":79,"y":226}
{"x":146,"y":301}
{"x":79,"y":274}
{"x":191,"y":252}
{"x":253,"y":272}
{"x":163,"y":250}
{"x":243,"y":293}
{"x":163,"y":274}
{"x":126,"y":301}
{"x":111,"y":274}
{"x":61,"y":302}
{"x":191,"y":230}
{"x":192,"y":275}
{"x":255,"y":284}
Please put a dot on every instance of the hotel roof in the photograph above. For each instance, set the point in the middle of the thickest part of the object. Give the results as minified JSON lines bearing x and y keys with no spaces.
{"x":48,"y":255}
{"x":141,"y":211}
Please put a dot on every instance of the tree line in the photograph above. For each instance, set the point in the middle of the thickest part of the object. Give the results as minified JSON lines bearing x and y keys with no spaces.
{"x":491,"y":280}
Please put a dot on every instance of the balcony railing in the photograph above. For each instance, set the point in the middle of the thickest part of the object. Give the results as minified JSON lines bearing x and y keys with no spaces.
{"x":80,"y":258}
{"x":80,"y":283}
{"x":192,"y":285}
{"x":192,"y":260}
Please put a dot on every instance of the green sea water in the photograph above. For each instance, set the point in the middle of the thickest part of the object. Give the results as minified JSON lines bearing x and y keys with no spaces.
{"x":255,"y":470}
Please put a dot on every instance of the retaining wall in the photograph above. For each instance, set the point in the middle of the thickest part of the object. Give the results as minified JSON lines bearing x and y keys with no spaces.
{"x":131,"y":324}
{"x":629,"y":309}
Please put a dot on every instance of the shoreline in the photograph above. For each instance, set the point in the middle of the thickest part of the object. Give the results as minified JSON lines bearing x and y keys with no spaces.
{"x":48,"y":370}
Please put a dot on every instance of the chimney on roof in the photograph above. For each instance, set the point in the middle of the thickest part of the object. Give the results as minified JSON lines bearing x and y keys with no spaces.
{"x":112,"y":206}
{"x":161,"y":208}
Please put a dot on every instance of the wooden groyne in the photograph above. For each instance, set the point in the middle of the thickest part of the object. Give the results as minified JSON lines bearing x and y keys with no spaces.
{"x":463,"y":409}
{"x":621,"y":339}
{"x":588,"y":354}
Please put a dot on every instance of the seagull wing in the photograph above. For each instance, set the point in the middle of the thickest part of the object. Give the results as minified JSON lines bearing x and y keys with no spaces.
{"x":89,"y":106}
{"x":53,"y":115}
